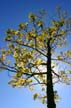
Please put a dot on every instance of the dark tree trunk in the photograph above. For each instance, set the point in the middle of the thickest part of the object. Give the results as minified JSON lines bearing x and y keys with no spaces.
{"x":50,"y":92}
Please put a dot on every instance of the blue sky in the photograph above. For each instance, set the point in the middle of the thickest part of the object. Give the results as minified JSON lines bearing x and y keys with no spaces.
{"x":13,"y":12}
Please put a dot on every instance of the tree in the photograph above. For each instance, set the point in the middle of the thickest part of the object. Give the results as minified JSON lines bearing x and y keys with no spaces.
{"x":35,"y":51}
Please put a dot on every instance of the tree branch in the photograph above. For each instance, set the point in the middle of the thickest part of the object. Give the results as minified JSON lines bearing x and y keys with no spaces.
{"x":56,"y":73}
{"x":29,"y":47}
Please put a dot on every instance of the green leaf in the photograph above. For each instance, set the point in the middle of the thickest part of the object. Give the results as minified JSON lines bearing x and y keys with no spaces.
{"x":36,"y":95}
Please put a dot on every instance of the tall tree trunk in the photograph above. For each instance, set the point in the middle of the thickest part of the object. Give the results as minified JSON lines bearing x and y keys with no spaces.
{"x":50,"y":92}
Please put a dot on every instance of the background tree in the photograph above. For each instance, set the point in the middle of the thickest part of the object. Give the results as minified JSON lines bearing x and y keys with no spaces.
{"x":35,"y":50}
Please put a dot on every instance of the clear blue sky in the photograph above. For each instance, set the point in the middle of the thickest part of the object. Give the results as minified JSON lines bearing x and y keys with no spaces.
{"x":13,"y":12}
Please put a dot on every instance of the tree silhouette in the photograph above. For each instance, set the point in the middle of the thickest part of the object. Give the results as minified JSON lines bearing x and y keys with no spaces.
{"x":35,"y":50}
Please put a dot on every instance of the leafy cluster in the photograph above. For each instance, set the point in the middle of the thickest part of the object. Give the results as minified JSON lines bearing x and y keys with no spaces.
{"x":28,"y":48}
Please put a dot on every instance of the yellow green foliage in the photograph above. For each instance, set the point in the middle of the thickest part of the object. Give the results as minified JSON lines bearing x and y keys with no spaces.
{"x":36,"y":95}
{"x":26,"y":55}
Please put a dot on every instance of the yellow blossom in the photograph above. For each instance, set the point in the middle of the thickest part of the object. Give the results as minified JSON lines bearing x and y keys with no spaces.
{"x":37,"y":62}
{"x":15,"y":54}
{"x":40,"y":23}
